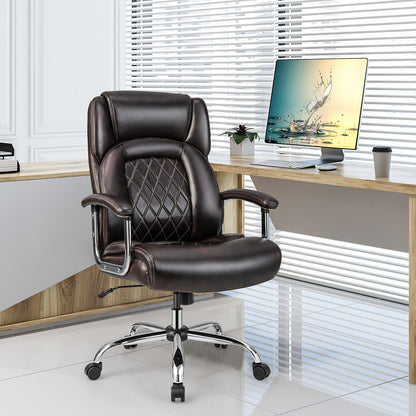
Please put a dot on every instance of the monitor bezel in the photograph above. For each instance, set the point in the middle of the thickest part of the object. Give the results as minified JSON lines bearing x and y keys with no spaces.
{"x":313,"y":146}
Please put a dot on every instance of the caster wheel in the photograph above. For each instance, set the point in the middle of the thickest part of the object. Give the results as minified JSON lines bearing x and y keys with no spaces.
{"x":177,"y":392}
{"x":93,"y":370}
{"x":260,"y":371}
{"x":221,"y":346}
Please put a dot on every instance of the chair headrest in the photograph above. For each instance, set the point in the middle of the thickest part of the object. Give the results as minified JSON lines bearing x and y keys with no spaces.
{"x":138,"y":114}
{"x":118,"y":116}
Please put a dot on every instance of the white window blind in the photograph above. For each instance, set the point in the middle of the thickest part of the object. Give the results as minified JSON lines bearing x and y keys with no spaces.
{"x":224,"y":52}
{"x":220,"y":51}
{"x":384,"y":31}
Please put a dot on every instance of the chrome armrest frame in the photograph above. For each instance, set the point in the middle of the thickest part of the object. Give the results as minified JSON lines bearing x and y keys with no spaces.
{"x":115,"y":269}
{"x":265,"y":223}
{"x":265,"y":230}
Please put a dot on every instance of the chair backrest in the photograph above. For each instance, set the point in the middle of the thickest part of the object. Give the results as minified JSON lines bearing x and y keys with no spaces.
{"x":151,"y":148}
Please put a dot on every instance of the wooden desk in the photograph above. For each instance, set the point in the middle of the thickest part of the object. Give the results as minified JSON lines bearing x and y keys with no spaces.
{"x":230,"y":173}
{"x":349,"y":175}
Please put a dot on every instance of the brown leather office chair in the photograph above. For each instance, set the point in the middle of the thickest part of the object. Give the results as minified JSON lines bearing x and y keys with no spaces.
{"x":157,"y":216}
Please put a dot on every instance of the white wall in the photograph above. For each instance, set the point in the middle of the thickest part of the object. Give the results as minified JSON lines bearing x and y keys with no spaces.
{"x":56,"y":55}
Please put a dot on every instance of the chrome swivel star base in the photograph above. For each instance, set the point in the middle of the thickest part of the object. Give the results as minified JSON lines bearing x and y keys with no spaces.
{"x":176,"y":333}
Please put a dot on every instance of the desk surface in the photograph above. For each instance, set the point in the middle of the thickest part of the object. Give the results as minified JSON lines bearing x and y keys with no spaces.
{"x":47,"y":170}
{"x":349,"y":174}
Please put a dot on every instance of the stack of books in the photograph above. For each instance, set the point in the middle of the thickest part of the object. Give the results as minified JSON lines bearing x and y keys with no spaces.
{"x":8,"y":163}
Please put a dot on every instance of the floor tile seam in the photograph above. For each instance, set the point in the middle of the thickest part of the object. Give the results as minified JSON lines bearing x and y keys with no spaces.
{"x":78,"y":363}
{"x":343,"y":396}
{"x":44,"y":371}
{"x":120,"y":354}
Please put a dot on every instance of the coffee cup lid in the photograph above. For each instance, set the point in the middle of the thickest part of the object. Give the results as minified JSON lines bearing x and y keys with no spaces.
{"x":381,"y":149}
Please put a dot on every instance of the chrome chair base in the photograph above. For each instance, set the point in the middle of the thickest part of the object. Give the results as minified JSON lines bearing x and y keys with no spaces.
{"x":176,"y":333}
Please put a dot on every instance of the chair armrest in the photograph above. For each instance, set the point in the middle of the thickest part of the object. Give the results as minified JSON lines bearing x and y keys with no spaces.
{"x":250,"y":195}
{"x":122,"y":209}
{"x":119,"y":206}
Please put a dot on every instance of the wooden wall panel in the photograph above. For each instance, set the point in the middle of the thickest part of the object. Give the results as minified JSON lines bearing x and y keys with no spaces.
{"x":75,"y":297}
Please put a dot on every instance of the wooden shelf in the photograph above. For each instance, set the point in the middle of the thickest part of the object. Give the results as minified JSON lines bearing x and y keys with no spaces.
{"x":47,"y":170}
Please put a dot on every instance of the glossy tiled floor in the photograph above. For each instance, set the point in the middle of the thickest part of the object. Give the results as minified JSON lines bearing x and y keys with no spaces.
{"x":331,"y":354}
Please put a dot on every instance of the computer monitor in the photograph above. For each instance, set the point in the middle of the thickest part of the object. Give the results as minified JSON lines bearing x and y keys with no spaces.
{"x":317,"y":102}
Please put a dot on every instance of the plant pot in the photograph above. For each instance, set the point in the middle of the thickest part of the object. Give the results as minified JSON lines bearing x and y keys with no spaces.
{"x":245,"y":148}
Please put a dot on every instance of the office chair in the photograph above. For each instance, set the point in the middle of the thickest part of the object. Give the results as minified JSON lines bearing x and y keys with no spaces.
{"x":157,"y":216}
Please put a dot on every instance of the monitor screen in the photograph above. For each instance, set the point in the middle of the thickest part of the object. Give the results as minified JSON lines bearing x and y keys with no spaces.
{"x":317,"y":102}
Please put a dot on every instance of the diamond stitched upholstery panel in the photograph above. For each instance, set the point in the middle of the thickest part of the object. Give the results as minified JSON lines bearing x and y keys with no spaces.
{"x":159,"y":191}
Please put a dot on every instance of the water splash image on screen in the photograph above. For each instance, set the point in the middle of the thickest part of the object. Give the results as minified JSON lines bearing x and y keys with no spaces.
{"x":315,"y":104}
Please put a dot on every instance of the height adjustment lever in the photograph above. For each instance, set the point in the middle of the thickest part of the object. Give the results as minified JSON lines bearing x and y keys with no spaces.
{"x":112,"y":289}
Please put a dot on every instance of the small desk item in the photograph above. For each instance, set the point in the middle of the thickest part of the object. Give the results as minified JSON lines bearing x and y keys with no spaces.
{"x":9,"y":165}
{"x":326,"y":167}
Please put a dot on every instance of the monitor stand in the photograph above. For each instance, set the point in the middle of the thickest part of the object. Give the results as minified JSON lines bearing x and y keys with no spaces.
{"x":328,"y":155}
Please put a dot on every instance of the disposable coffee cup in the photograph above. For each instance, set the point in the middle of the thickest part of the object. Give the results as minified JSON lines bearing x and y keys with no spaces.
{"x":382,"y":158}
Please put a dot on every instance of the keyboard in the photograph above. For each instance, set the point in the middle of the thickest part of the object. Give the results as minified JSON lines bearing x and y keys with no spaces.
{"x":277,"y":163}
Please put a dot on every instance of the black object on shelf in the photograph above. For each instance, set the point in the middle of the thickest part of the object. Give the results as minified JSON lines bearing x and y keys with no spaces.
{"x":8,"y":164}
{"x":6,"y":149}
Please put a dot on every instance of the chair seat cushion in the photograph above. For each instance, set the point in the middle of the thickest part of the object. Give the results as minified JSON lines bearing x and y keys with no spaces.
{"x":224,"y":262}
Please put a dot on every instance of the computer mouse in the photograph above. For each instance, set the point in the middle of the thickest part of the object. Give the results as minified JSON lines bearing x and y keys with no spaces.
{"x":327,"y":167}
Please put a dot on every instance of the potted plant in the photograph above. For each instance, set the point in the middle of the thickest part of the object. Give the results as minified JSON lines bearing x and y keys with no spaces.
{"x":241,"y":140}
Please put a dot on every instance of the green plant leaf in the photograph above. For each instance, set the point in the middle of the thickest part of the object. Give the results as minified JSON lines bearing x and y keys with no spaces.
{"x":239,"y":138}
{"x":252,"y":136}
